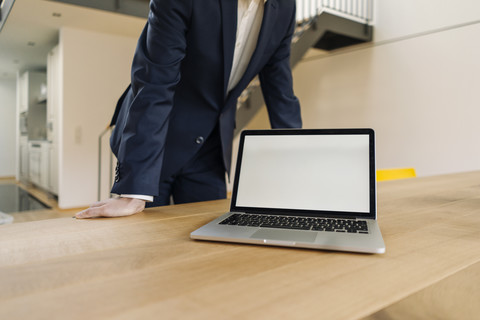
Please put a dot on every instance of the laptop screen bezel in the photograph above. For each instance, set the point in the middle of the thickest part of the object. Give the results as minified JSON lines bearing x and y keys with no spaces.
{"x":312,"y":213}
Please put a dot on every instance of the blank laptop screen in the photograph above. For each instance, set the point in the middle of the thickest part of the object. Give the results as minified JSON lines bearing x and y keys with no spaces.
{"x":307,"y":172}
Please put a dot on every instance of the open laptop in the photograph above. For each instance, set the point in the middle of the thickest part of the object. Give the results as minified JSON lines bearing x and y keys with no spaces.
{"x":303,"y":188}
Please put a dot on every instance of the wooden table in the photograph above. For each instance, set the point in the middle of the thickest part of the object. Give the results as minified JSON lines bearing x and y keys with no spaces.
{"x":146,"y":266}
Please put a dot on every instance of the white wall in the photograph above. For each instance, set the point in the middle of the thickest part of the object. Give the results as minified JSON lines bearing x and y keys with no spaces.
{"x":417,"y":85}
{"x":395,"y":18}
{"x":8,"y":122}
{"x":96,"y":70}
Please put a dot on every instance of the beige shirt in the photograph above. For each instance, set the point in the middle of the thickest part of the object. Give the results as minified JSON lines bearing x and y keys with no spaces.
{"x":249,"y":22}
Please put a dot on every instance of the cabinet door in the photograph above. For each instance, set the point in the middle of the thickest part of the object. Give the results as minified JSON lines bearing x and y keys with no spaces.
{"x":53,"y":169}
{"x":53,"y":93}
{"x":45,"y":166}
{"x":35,"y":164}
{"x":24,"y":161}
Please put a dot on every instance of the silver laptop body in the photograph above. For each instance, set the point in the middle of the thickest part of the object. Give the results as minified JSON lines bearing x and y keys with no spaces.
{"x":303,"y":188}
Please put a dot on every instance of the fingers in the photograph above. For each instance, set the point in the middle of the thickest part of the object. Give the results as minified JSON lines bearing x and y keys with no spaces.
{"x":92,"y":212}
{"x":115,"y":207}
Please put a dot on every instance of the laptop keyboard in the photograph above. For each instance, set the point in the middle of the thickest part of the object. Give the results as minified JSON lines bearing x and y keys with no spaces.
{"x":297,"y":223}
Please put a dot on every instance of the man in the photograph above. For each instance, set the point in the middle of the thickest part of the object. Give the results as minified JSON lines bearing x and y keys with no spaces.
{"x":174,"y":132}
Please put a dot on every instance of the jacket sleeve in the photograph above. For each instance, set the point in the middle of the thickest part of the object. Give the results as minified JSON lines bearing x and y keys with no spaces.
{"x":139,"y":137}
{"x":277,"y":85}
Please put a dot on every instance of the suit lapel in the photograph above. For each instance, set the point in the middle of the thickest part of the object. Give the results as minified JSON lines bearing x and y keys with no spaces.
{"x":229,"y":30}
{"x":268,"y":26}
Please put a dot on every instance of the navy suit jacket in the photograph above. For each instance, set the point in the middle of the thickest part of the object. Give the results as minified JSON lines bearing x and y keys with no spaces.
{"x":178,"y":92}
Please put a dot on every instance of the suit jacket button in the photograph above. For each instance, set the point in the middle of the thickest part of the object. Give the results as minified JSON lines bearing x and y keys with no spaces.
{"x":199,"y":140}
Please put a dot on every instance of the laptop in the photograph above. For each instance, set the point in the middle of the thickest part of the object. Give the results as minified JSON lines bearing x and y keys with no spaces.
{"x":303,"y":188}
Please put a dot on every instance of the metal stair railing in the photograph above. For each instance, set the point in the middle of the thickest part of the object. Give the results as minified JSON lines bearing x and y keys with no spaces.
{"x":358,"y":9}
{"x":309,"y":10}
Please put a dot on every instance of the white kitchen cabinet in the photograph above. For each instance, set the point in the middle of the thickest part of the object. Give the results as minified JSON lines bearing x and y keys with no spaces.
{"x":39,"y":166}
{"x":45,"y":166}
{"x":54,"y":94}
{"x":35,"y":155}
{"x":24,"y":159}
{"x":53,"y":168}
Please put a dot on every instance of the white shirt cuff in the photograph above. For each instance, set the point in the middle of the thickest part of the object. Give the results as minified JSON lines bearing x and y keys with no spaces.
{"x":138,"y":196}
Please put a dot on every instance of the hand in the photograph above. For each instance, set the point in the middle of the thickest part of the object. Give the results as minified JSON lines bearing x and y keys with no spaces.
{"x":114,"y":207}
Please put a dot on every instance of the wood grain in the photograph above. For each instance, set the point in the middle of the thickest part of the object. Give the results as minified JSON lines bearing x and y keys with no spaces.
{"x":147,"y":267}
{"x":455,"y":297}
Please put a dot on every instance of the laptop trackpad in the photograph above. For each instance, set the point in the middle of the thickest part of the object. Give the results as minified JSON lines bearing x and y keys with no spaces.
{"x":285,"y":235}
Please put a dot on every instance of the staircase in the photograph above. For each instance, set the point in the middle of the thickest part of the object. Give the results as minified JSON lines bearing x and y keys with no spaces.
{"x":321,"y":24}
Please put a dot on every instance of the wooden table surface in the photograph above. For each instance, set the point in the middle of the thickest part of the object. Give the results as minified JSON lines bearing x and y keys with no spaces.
{"x":147,"y":267}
